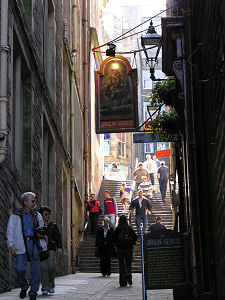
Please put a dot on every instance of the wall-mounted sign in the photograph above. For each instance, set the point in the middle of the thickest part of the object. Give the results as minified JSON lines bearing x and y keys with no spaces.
{"x":162,"y":153}
{"x":116,"y":96}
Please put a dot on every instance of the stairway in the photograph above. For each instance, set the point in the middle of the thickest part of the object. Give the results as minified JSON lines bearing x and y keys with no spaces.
{"x":87,"y":262}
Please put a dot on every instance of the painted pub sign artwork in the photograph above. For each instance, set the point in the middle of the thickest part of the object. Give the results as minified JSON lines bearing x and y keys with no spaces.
{"x":116,"y":96}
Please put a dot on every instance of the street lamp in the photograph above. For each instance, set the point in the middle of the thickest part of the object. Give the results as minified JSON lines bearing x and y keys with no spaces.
{"x":111,"y":50}
{"x":151,"y":38}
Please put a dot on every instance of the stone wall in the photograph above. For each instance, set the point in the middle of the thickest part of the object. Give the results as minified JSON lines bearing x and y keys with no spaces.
{"x":43,"y":106}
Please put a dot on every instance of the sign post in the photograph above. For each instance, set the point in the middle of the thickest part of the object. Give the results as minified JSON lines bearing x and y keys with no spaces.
{"x":144,"y":296}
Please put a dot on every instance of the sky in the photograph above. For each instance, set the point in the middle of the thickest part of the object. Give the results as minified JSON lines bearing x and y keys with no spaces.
{"x":147,"y":8}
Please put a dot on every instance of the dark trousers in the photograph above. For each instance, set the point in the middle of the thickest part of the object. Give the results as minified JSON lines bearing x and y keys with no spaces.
{"x":94,"y":221}
{"x":125,"y":260}
{"x":163,"y":186}
{"x":152,"y":178}
{"x":105,"y":265}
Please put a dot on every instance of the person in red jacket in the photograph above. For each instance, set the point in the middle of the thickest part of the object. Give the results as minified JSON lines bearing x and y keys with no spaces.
{"x":110,"y":208}
{"x":93,"y":213}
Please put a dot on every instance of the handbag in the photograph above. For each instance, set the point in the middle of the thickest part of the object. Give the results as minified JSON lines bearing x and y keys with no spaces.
{"x":44,"y":255}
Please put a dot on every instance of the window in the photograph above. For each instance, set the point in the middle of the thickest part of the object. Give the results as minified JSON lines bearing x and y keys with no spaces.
{"x":65,"y":103}
{"x":162,"y":146}
{"x":26,"y":146}
{"x":106,"y":147}
{"x":49,"y":46}
{"x":147,"y":82}
{"x":22,"y":114}
{"x":149,"y":148}
{"x":48,"y":168}
{"x":122,"y":144}
{"x":28,"y":9}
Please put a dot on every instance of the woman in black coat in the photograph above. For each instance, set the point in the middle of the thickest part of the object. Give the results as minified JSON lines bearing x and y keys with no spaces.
{"x":125,"y":238}
{"x":105,"y":244}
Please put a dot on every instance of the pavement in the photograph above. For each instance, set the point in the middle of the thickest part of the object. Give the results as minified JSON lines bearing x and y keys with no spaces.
{"x":93,"y":286}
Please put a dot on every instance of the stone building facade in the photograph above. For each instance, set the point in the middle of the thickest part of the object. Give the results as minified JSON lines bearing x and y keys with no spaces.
{"x":44,"y":129}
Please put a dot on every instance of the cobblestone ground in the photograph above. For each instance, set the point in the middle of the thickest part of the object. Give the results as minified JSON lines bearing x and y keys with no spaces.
{"x":92,"y":286}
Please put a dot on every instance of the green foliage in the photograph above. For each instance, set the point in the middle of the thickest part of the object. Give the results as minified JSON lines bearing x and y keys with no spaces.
{"x":163,"y":92}
{"x":166,"y":124}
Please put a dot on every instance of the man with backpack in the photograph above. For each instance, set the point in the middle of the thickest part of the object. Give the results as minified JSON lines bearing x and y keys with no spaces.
{"x":124,"y":238}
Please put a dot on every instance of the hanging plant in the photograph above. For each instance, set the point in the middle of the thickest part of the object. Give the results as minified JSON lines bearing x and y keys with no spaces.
{"x":167,"y":124}
{"x":163,"y":92}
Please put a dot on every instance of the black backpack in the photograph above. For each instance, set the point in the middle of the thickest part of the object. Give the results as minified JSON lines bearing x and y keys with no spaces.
{"x":125,"y":239}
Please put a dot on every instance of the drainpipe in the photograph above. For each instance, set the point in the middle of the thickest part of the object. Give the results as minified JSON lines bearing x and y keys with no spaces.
{"x":72,"y":177}
{"x":4,"y":49}
{"x":85,"y":93}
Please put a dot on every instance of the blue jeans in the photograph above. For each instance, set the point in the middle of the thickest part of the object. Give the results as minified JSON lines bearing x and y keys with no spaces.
{"x":21,"y":266}
{"x":112,"y":219}
{"x":141,"y":219}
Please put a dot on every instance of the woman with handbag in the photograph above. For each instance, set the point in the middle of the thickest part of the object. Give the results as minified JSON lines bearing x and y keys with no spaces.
{"x":93,"y":212}
{"x":105,"y":246}
{"x":54,"y":242}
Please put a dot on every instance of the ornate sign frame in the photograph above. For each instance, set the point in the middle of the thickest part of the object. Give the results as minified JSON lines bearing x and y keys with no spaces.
{"x":116,"y":96}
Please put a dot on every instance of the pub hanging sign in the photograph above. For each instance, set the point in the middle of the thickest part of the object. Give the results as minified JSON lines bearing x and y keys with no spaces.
{"x":116,"y":96}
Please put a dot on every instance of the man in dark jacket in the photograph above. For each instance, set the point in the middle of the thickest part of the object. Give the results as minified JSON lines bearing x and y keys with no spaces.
{"x":105,"y":245}
{"x":157,"y":226}
{"x":141,"y":204}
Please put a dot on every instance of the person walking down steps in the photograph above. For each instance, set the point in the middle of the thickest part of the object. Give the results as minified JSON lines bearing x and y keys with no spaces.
{"x":162,"y":176}
{"x":110,"y":208}
{"x":125,"y":238}
{"x":93,"y":212}
{"x":141,"y":204}
{"x":105,"y":246}
{"x":125,"y":195}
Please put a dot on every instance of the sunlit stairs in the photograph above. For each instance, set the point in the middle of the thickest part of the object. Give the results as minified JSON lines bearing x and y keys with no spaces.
{"x":87,"y":262}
